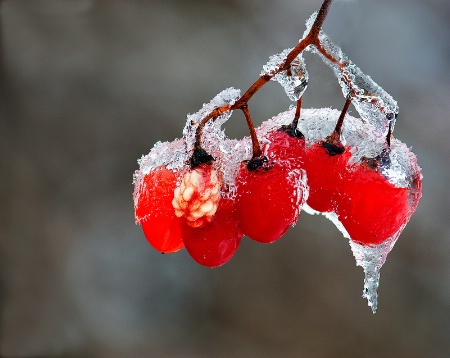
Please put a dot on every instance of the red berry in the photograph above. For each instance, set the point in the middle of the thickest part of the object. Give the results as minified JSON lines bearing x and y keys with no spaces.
{"x":269,"y":197}
{"x":283,"y":146}
{"x":325,"y":172}
{"x":154,"y":210}
{"x":371,"y":208}
{"x":214,"y":243}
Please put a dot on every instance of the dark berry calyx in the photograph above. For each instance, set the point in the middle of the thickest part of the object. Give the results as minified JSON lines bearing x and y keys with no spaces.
{"x":258,"y":163}
{"x":382,"y":160}
{"x":292,"y":131}
{"x":200,"y":156}
{"x":333,"y":145}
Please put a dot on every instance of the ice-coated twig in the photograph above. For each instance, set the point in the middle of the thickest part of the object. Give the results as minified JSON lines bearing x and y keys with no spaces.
{"x":294,"y":79}
{"x":371,"y":101}
{"x":293,"y":62}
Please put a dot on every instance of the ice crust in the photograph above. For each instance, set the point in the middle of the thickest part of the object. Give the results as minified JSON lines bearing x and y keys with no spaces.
{"x":213,"y":134}
{"x":293,"y":81}
{"x":227,"y":153}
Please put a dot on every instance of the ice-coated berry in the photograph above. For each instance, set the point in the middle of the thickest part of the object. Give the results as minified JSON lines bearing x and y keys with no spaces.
{"x":287,"y":146}
{"x":154,"y":210}
{"x":215,"y":242}
{"x":325,"y":172}
{"x":371,"y":208}
{"x":270,"y":196}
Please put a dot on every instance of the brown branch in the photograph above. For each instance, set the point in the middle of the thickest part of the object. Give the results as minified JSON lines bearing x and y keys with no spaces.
{"x":323,"y":12}
{"x":212,"y":115}
{"x":332,"y":143}
{"x":297,"y":113}
{"x":338,"y":129}
{"x":251,"y":128}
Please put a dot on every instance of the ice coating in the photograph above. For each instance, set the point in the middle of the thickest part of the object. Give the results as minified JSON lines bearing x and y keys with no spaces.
{"x":317,"y":124}
{"x":371,"y":258}
{"x":299,"y":178}
{"x":294,"y":80}
{"x":371,"y":101}
{"x":172,"y":155}
{"x":233,"y":152}
{"x":212,"y":133}
{"x":402,"y":169}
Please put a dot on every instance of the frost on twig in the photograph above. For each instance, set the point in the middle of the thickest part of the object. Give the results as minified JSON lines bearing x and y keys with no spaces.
{"x":294,"y":80}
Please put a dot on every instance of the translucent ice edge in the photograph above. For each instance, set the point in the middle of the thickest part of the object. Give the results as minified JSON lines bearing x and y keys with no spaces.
{"x":370,"y":258}
{"x":294,"y":82}
{"x":212,"y":133}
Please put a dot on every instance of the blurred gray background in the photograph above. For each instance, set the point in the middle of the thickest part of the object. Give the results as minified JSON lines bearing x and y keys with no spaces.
{"x":87,"y":87}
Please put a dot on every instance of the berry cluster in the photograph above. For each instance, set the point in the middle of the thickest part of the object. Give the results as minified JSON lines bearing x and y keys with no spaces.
{"x":204,"y":192}
{"x":196,"y":206}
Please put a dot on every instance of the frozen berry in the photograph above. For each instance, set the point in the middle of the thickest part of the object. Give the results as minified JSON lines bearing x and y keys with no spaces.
{"x":270,"y":194}
{"x":286,"y":144}
{"x":325,"y":168}
{"x":371,"y":208}
{"x":154,"y":210}
{"x":215,"y":242}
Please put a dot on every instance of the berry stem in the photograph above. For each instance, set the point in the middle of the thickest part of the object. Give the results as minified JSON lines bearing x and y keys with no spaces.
{"x":291,"y":129}
{"x":213,"y":115}
{"x":297,"y":113}
{"x":333,"y":143}
{"x":251,"y":128}
{"x":338,"y":129}
{"x":389,"y":135}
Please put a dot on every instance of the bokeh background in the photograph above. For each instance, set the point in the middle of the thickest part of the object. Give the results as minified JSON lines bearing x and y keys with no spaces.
{"x":87,"y":87}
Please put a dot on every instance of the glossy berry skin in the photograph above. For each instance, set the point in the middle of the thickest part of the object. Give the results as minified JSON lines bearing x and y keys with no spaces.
{"x":283,"y":146}
{"x":370,"y":208}
{"x":155,"y":213}
{"x":214,"y":243}
{"x":325,"y":176}
{"x":268,"y":198}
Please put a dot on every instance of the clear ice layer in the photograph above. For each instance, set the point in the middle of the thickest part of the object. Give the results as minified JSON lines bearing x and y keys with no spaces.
{"x":212,"y":133}
{"x":233,"y":152}
{"x":371,"y":258}
{"x":294,"y":80}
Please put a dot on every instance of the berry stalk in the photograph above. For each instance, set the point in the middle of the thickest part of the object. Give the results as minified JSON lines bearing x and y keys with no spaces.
{"x":256,"y":147}
{"x":333,"y":143}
